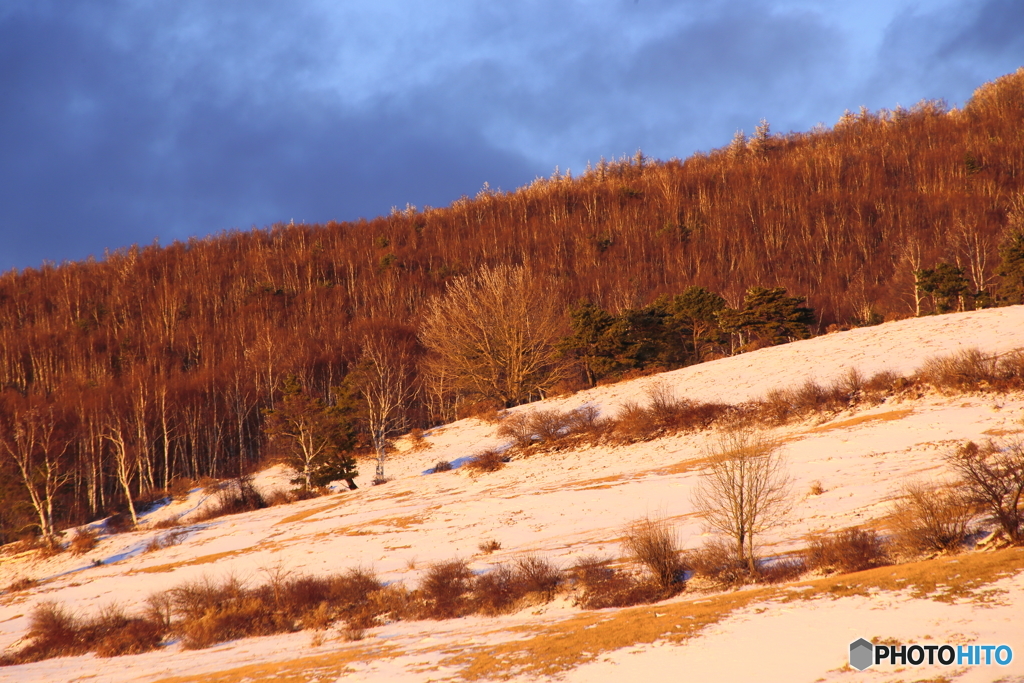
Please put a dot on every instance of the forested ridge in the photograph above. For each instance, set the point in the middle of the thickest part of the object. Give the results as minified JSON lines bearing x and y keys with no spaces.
{"x":122,"y":374}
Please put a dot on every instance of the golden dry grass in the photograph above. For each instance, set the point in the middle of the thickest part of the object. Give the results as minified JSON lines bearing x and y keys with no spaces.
{"x":271,"y":546}
{"x":854,"y":421}
{"x":559,"y":647}
{"x":302,"y":670}
{"x":944,"y":579}
{"x":306,"y":514}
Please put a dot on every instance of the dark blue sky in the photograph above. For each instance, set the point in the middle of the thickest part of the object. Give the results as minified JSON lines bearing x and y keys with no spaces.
{"x":125,"y":122}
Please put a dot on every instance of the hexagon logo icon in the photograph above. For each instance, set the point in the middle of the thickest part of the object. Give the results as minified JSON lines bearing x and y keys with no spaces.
{"x":862,"y":654}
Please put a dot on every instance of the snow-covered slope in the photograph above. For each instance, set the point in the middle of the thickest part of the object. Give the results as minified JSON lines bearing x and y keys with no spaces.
{"x":568,"y":504}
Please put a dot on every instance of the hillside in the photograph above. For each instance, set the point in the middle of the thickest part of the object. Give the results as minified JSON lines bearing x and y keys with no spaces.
{"x":564,"y":505}
{"x":181,"y":348}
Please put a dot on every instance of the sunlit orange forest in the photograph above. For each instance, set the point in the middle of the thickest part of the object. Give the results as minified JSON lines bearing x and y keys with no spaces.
{"x":157,"y":363}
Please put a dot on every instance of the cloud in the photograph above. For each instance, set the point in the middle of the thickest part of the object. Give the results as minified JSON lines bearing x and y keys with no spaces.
{"x":123,"y":120}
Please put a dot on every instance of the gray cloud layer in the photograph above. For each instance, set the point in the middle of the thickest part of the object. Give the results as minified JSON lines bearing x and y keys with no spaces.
{"x":121,"y":122}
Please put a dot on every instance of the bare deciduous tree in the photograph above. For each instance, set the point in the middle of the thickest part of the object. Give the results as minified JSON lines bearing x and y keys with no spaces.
{"x":33,"y":442}
{"x":992,"y":476}
{"x":127,"y":461}
{"x":495,"y":332}
{"x":384,"y":378}
{"x":745,"y":489}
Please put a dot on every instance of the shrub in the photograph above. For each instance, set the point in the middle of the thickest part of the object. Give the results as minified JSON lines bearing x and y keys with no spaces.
{"x":884,"y":381}
{"x":83,"y":541}
{"x":635,"y":423}
{"x":599,"y":585}
{"x":538,"y":575}
{"x":850,"y":550}
{"x":237,"y":495}
{"x":1011,"y":368}
{"x":22,"y":584}
{"x":445,"y":589}
{"x":168,"y":523}
{"x":119,"y":523}
{"x":586,"y":420}
{"x":180,"y":488}
{"x":664,"y":413}
{"x":488,"y":547}
{"x":55,"y":632}
{"x":442,"y":466}
{"x":52,"y":632}
{"x":930,"y":518}
{"x":966,"y":369}
{"x":549,"y":425}
{"x":114,"y":633}
{"x":517,"y":427}
{"x":166,"y":540}
{"x":500,"y":589}
{"x":719,"y":562}
{"x":497,"y":591}
{"x":488,"y":461}
{"x":654,"y":544}
{"x":781,"y":569}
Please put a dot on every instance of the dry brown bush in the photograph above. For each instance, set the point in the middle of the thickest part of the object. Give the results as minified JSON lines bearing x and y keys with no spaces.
{"x":882,"y":382}
{"x":964,"y":370}
{"x":718,"y":561}
{"x":119,"y":523}
{"x":549,"y":425}
{"x":654,"y":544}
{"x":501,"y":589}
{"x":635,"y":423}
{"x":22,"y":584}
{"x":487,"y":461}
{"x":169,"y":523}
{"x":279,"y":497}
{"x":206,"y":613}
{"x":179,"y":488}
{"x":497,"y":591}
{"x":781,"y":569}
{"x":850,"y":550}
{"x":83,"y":541}
{"x":167,"y":540}
{"x":586,"y":420}
{"x":599,"y":585}
{"x":930,"y":518}
{"x":516,"y":426}
{"x":538,"y":575}
{"x":114,"y":633}
{"x":55,"y":632}
{"x":446,"y":589}
{"x":237,"y":495}
{"x":663,"y":414}
{"x":488,"y":547}
{"x":442,"y":466}
{"x":1011,"y":368}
